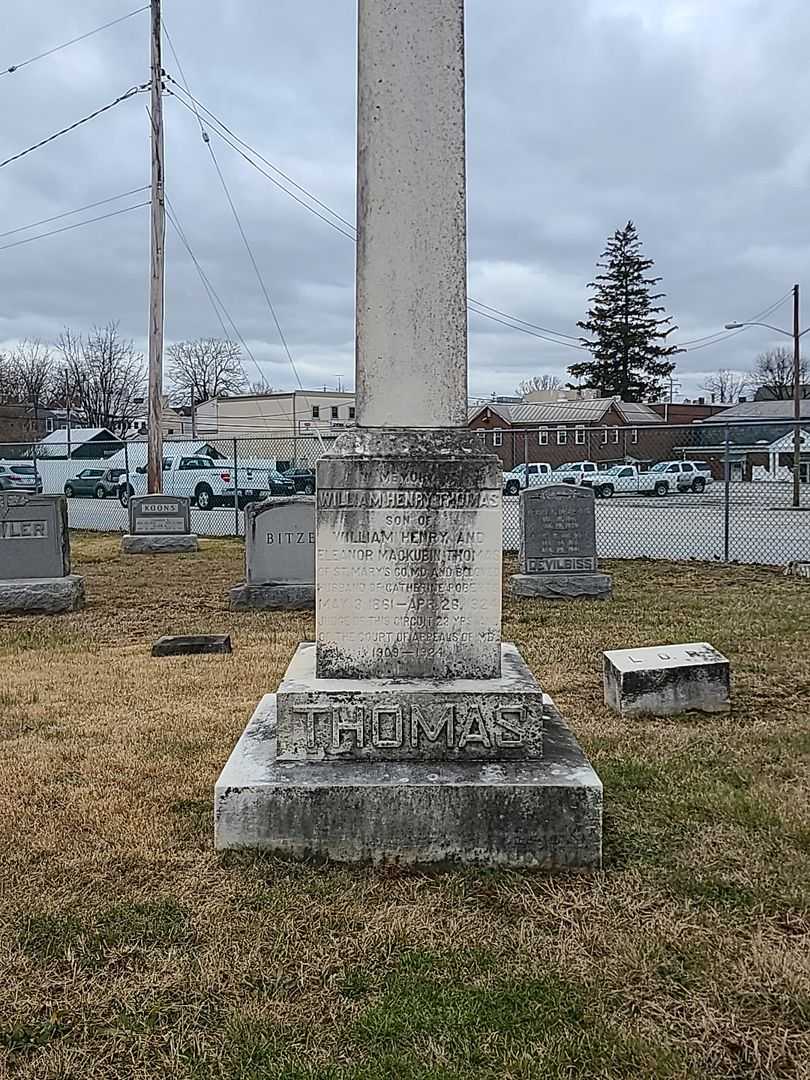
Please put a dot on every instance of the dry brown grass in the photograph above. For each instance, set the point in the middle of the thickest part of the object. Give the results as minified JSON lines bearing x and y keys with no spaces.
{"x":129,"y":950}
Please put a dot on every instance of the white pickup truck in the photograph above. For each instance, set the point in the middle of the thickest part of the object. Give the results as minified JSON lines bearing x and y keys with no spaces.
{"x":528,"y":475}
{"x":209,"y":482}
{"x":661,"y":479}
{"x":575,"y":472}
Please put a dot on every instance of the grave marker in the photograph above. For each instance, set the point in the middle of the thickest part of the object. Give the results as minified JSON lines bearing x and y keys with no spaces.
{"x":35,"y":555}
{"x":666,"y":680}
{"x":279,"y":555}
{"x":159,"y":524}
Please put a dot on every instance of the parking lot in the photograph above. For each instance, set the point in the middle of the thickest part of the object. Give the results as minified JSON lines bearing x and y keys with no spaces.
{"x":762,"y":526}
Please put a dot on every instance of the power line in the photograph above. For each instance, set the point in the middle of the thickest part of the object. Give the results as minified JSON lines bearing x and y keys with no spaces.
{"x":514,"y":318}
{"x":78,"y":210}
{"x":129,"y":93}
{"x":526,"y":330}
{"x":716,"y":338}
{"x":76,"y":225}
{"x":73,"y":41}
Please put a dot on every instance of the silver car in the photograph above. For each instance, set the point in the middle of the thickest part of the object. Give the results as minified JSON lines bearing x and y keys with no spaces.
{"x":20,"y":476}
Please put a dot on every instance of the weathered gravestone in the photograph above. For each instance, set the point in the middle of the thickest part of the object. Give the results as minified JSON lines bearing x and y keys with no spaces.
{"x":159,"y":525}
{"x":35,"y":555}
{"x":558,"y":545}
{"x":408,"y":732}
{"x":279,"y":555}
{"x":666,"y":680}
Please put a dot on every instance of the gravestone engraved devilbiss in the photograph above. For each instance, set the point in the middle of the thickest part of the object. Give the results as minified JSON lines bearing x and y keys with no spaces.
{"x":279,"y":555}
{"x":159,"y":524}
{"x":408,"y":731}
{"x":35,"y":555}
{"x":558,"y":545}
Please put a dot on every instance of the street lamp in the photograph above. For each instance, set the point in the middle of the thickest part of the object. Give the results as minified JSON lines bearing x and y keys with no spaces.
{"x":796,"y":334}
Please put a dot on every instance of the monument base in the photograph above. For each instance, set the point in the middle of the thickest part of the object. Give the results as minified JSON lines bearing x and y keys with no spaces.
{"x":562,"y":586}
{"x":158,"y":543}
{"x":278,"y":597}
{"x":543,"y":813}
{"x":42,"y":596}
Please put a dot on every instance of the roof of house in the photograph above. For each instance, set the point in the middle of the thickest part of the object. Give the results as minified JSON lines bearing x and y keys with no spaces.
{"x":79,"y":436}
{"x":585,"y":410}
{"x":759,"y":410}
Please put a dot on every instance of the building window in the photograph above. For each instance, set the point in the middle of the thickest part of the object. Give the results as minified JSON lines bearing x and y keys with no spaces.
{"x":351,"y":412}
{"x":542,"y":437}
{"x":335,"y":412}
{"x":316,"y":412}
{"x":562,"y":436}
{"x":604,"y":436}
{"x":634,"y":435}
{"x":497,"y":438}
{"x":615,"y":435}
{"x":579,"y":436}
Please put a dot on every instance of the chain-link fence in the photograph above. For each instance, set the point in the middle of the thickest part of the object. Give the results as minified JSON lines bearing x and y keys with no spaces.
{"x":709,"y":491}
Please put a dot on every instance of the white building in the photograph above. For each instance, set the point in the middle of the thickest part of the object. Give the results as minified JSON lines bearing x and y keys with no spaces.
{"x":282,"y":415}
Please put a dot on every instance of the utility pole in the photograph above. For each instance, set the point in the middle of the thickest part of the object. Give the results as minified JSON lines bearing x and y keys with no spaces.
{"x":797,"y":401}
{"x":158,"y":219}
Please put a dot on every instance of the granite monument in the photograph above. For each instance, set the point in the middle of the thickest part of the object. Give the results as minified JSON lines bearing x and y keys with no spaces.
{"x":279,"y":555}
{"x":159,"y":525}
{"x":558,"y":545}
{"x":35,"y":567}
{"x":408,"y":731}
{"x":665,"y":680}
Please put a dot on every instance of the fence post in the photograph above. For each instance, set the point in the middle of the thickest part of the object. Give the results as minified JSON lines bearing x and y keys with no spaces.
{"x":235,"y":488}
{"x":727,"y":498}
{"x":126,"y":474}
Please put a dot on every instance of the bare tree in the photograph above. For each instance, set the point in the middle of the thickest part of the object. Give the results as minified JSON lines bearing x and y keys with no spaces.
{"x":204,"y":369}
{"x":34,"y":370}
{"x":538,"y":382}
{"x":104,"y":376}
{"x":725,"y":386}
{"x":9,"y":383}
{"x":773,"y":374}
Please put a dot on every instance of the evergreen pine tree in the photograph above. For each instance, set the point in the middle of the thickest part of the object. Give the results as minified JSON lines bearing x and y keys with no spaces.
{"x":627,"y":330}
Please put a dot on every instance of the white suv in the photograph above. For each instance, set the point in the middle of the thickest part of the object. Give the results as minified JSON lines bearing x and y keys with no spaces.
{"x":683,"y":475}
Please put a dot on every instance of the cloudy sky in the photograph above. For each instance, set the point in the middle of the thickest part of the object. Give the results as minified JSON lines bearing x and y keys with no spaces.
{"x":690,"y":116}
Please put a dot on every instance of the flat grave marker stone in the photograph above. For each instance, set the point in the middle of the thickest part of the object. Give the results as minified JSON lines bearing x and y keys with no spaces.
{"x":666,"y":680}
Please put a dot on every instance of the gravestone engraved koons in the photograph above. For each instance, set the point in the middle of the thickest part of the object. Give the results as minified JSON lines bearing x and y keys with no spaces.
{"x":35,"y":555}
{"x":558,"y":545}
{"x":408,"y":731}
{"x":159,"y":524}
{"x":279,"y":555}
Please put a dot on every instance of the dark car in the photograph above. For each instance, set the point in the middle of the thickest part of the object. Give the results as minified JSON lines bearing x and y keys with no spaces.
{"x":95,"y":483}
{"x":278,"y":484}
{"x":19,"y":476}
{"x":303,"y":479}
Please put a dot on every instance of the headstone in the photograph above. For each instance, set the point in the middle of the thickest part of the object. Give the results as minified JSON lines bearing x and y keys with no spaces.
{"x":799,"y":569}
{"x":35,"y":555}
{"x":279,"y":555}
{"x":159,"y":524}
{"x":666,"y":680}
{"x":192,"y":645}
{"x":558,"y":545}
{"x":408,"y":731}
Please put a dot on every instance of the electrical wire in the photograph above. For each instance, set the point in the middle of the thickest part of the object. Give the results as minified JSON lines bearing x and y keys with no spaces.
{"x":720,"y":335}
{"x":76,"y":225}
{"x":123,"y":97}
{"x":73,"y":41}
{"x":78,"y":210}
{"x":514,"y":318}
{"x":526,"y":330}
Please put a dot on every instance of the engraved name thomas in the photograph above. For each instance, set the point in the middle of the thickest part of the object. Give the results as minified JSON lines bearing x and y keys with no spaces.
{"x":421,"y":728}
{"x":23,"y":530}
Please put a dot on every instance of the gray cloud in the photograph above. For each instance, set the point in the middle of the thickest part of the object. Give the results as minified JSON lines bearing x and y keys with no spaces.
{"x":691,"y":118}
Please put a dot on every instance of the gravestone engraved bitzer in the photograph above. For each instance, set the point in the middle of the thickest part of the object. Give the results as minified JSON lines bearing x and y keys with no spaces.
{"x":159,"y":525}
{"x":408,"y":731}
{"x":558,"y":545}
{"x":666,"y":680}
{"x":279,"y":556}
{"x":35,"y":572}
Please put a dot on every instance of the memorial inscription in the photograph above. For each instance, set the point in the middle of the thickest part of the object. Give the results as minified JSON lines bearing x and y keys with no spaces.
{"x":280,"y":542}
{"x":159,"y":515}
{"x":33,"y":536}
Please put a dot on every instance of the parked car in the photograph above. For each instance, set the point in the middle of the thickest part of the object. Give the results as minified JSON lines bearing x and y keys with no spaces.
{"x":281,"y":484}
{"x":629,"y":480}
{"x":576,"y":472}
{"x":527,"y":475}
{"x":94,"y":483}
{"x":210,"y":482}
{"x":683,"y":475}
{"x":303,"y":479}
{"x":20,"y":476}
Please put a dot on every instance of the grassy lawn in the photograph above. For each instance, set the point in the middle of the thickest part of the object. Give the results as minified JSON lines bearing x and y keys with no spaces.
{"x":129,"y":949}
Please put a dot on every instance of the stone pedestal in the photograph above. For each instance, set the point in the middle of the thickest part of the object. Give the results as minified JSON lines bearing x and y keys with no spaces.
{"x":666,"y":680}
{"x":42,"y":596}
{"x":562,"y":586}
{"x":159,"y":544}
{"x":279,"y":597}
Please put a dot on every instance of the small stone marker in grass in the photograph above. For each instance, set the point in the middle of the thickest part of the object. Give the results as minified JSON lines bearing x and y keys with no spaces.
{"x":192,"y":644}
{"x":35,"y":575}
{"x":666,"y":680}
{"x":279,"y":555}
{"x":159,"y":525}
{"x":558,"y":545}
